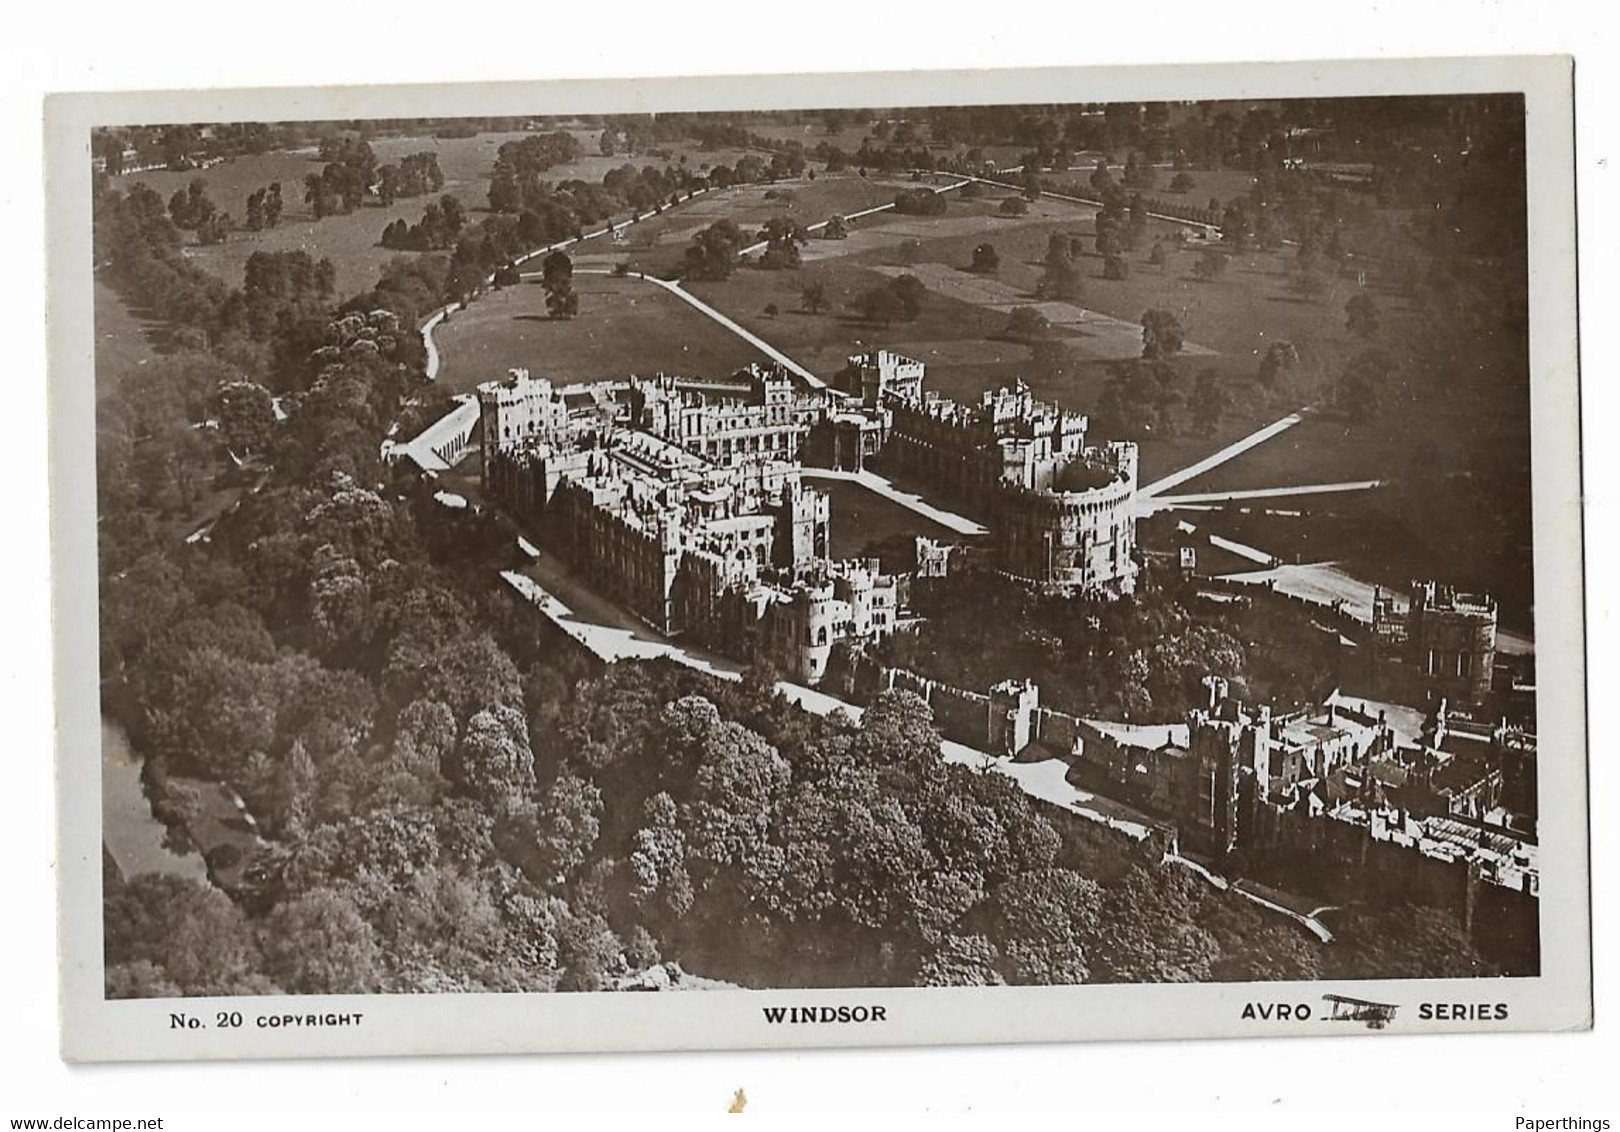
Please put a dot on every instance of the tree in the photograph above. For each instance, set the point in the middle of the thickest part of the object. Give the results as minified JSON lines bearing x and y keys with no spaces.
{"x":879,"y":304}
{"x":318,"y":195}
{"x":961,"y":961}
{"x":1144,"y":929}
{"x":318,"y":943}
{"x":1108,"y":242}
{"x":246,"y":416}
{"x":1043,"y":920}
{"x":1060,"y":278}
{"x":1027,"y":323}
{"x":772,"y":310}
{"x":161,"y":931}
{"x":782,"y":236}
{"x":1404,"y":942}
{"x":985,"y":260}
{"x":1162,"y":335}
{"x":494,"y":762}
{"x":836,"y":228}
{"x":1158,"y":257}
{"x":1115,"y":267}
{"x":1362,"y":315}
{"x":1183,"y":183}
{"x":424,"y":739}
{"x":255,"y":211}
{"x":568,"y":821}
{"x":190,"y":207}
{"x":1209,"y":401}
{"x":1013,"y":206}
{"x":587,"y":950}
{"x":1211,"y":264}
{"x":1277,"y":364}
{"x":814,"y":296}
{"x":557,"y":279}
{"x":714,"y":251}
{"x":740,"y":779}
{"x":660,"y":883}
{"x":911,"y":292}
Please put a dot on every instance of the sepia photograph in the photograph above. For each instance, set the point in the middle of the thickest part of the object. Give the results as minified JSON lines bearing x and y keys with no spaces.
{"x":542,"y":544}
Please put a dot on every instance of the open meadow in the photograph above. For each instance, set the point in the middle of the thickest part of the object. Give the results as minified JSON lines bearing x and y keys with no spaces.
{"x":351,"y":241}
{"x":624,"y":326}
{"x":124,"y":339}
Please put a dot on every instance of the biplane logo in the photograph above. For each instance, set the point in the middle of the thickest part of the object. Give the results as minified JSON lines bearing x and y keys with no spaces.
{"x":1374,"y":1015}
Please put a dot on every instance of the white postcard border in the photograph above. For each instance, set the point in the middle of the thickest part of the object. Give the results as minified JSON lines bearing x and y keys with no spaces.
{"x":1559,"y":999}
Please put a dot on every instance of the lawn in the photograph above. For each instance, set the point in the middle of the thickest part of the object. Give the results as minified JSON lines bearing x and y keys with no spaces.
{"x":861,"y":517}
{"x":658,"y":244}
{"x":822,"y":341}
{"x":124,"y":339}
{"x":624,"y":326}
{"x":351,"y":240}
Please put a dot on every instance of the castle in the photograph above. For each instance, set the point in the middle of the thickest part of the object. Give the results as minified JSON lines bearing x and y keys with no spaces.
{"x":684,"y":500}
{"x":1061,"y":511}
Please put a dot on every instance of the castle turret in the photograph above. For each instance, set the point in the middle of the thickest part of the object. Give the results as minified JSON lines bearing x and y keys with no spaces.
{"x":1014,"y":706}
{"x":803,"y":527}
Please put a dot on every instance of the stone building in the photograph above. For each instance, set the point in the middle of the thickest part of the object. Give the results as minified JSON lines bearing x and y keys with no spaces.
{"x":762,"y":415}
{"x":1061,"y":514}
{"x":878,"y":376}
{"x":682,"y":498}
{"x":687,"y":508}
{"x":1440,"y":644}
{"x":516,"y":410}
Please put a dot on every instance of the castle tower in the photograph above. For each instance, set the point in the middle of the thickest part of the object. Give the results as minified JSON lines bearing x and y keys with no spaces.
{"x":514,"y":410}
{"x":804,"y":521}
{"x":1011,"y":726}
{"x":1451,"y":643}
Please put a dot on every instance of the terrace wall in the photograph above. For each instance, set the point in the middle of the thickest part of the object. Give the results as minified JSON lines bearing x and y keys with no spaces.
{"x":1344,"y":863}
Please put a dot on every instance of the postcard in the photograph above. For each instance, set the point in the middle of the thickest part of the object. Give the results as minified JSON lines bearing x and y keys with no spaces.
{"x":806,"y":560}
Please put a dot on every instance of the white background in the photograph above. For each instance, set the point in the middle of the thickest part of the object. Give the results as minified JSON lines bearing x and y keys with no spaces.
{"x":1485,"y":1082}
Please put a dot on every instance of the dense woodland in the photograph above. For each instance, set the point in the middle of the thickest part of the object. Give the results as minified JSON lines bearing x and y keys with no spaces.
{"x":449,"y":799}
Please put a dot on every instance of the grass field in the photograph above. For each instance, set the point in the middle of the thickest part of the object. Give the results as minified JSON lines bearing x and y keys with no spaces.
{"x":812,"y":134}
{"x":861,"y":517}
{"x":624,"y":326}
{"x":658,"y":243}
{"x":351,"y":240}
{"x":124,"y":339}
